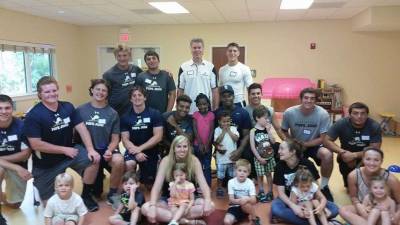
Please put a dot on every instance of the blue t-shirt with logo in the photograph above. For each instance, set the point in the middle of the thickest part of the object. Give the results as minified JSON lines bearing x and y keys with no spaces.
{"x":140,"y":127}
{"x":54,"y":127}
{"x":12,"y":139}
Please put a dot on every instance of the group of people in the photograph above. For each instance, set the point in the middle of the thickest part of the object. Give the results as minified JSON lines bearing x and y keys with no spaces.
{"x":170,"y":151}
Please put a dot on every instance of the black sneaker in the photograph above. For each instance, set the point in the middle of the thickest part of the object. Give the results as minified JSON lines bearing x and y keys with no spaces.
{"x":327,"y":193}
{"x":3,"y":221}
{"x":90,"y":204}
{"x":110,"y":199}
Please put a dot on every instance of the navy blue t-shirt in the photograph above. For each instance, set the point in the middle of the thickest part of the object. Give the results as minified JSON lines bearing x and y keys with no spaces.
{"x":140,"y":126}
{"x":12,"y":139}
{"x":239,"y":118}
{"x":52,"y":127}
{"x":186,"y":125}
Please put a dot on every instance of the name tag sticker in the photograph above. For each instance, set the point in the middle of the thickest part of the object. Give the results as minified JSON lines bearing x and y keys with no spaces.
{"x":357,"y":138}
{"x":146,"y":120}
{"x":147,"y":81}
{"x":102,"y":121}
{"x":12,"y":137}
{"x":232,"y":74}
{"x":365,"y":137}
{"x":308,"y":132}
{"x":133,"y":74}
{"x":67,"y":120}
{"x":190,"y":72}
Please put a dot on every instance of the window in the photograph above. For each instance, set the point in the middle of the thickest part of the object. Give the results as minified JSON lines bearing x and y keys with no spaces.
{"x":22,"y":66}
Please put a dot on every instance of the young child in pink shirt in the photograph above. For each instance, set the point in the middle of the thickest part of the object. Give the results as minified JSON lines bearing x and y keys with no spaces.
{"x":203,"y":125}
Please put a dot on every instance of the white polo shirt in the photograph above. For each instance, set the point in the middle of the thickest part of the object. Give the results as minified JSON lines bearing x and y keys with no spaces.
{"x":238,"y":76}
{"x":197,"y":78}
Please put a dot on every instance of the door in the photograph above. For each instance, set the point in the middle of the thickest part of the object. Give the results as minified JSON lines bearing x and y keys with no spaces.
{"x":219,"y":56}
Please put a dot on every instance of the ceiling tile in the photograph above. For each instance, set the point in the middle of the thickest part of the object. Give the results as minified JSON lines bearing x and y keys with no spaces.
{"x":263,"y":15}
{"x":204,"y":11}
{"x":346,"y":13}
{"x":263,"y":5}
{"x":319,"y":13}
{"x":236,"y":5}
{"x":291,"y":14}
{"x":132,"y":4}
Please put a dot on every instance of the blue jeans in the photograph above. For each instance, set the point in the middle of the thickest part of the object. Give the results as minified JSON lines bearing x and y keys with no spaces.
{"x":205,"y":160}
{"x":282,"y":211}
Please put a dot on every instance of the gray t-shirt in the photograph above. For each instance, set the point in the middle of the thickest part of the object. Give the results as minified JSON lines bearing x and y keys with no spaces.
{"x":250,"y":110}
{"x":158,"y":87}
{"x":121,"y":82}
{"x":101,"y":123}
{"x":305,"y":127}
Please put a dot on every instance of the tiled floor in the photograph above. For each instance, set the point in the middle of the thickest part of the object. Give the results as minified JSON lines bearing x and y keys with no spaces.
{"x":28,"y":214}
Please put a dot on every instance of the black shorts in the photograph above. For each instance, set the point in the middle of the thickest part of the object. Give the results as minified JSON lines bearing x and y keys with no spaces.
{"x":345,"y":170}
{"x":237,"y":212}
{"x":249,"y":155}
{"x":126,"y":216}
{"x":313,"y":152}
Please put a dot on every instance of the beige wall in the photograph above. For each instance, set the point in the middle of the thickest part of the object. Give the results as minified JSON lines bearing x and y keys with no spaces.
{"x":66,"y":38}
{"x":364,"y":64}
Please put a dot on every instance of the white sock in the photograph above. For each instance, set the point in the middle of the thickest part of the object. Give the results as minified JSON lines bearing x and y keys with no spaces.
{"x":324,"y":182}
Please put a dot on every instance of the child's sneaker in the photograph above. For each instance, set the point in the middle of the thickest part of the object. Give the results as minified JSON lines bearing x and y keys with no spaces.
{"x":257,"y":221}
{"x":220,"y":193}
{"x":269,"y":197}
{"x":261,"y":197}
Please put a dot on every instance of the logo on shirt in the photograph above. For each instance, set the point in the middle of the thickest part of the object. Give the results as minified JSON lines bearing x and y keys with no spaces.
{"x":141,"y":123}
{"x":152,"y":85}
{"x":129,"y":79}
{"x":263,"y":146}
{"x":95,"y":120}
{"x":289,"y":178}
{"x":60,"y":123}
{"x":4,"y":146}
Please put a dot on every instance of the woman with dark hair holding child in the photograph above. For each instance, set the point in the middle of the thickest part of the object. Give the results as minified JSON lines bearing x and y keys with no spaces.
{"x":291,"y":158}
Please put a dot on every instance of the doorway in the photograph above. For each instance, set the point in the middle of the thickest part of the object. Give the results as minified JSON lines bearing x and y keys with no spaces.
{"x":219,"y":56}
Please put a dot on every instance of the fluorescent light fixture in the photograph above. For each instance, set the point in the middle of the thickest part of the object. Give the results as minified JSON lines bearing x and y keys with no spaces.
{"x":169,"y":7}
{"x":296,"y":4}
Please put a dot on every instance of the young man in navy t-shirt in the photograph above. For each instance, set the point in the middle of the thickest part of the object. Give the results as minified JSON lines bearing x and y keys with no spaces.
{"x":49,"y":128}
{"x":141,"y":131}
{"x":14,"y":154}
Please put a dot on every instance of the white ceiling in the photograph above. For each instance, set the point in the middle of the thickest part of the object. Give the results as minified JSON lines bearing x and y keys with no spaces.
{"x":128,"y":12}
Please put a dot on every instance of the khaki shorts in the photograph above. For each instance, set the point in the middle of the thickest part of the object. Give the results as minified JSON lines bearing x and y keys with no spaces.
{"x":15,"y":187}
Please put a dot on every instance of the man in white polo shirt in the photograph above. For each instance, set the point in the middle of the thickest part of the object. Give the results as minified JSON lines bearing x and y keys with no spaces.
{"x":235,"y":74}
{"x":198,"y":76}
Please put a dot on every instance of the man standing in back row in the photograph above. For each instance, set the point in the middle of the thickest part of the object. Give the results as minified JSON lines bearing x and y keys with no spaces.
{"x":121,"y":77}
{"x":159,"y":84}
{"x":235,"y":74}
{"x":198,"y":76}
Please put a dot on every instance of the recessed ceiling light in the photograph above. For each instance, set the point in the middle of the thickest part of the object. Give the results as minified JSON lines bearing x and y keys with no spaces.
{"x":296,"y":4}
{"x":169,"y":7}
{"x":61,"y":11}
